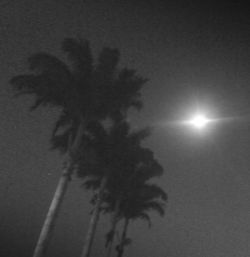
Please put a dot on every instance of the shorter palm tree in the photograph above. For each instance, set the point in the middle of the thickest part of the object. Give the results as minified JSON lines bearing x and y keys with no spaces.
{"x":144,"y":198}
{"x":128,"y":184}
{"x":124,"y":240}
{"x":109,"y":151}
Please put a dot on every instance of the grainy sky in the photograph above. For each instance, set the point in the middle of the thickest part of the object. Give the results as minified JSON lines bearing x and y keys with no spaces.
{"x":192,"y":53}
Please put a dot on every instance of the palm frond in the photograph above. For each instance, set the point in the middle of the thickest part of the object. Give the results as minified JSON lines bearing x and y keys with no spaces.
{"x":47,"y":89}
{"x":107,"y":63}
{"x":24,"y":84}
{"x":45,"y":63}
{"x":64,"y":120}
{"x":60,"y":141}
{"x":139,"y":135}
{"x":129,"y":84}
{"x":145,"y":216}
{"x":149,"y":169}
{"x":155,"y":206}
{"x":36,"y":85}
{"x":80,"y":55}
{"x":154,"y":191}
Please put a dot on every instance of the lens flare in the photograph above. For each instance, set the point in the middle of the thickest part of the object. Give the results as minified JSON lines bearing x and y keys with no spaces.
{"x":199,"y":121}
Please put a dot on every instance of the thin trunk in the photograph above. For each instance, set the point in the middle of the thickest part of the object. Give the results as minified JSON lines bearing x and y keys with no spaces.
{"x":120,"y":248}
{"x":111,"y":233}
{"x":93,"y":221}
{"x":49,"y":223}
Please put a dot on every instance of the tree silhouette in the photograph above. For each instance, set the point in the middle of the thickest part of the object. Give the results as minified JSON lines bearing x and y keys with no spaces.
{"x":136,"y":195}
{"x":144,"y":198}
{"x":126,"y":167}
{"x":111,"y":151}
{"x":84,"y":92}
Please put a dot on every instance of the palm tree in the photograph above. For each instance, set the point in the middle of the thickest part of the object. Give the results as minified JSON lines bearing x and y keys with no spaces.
{"x":124,"y":240}
{"x":84,"y":93}
{"x":143,"y":168}
{"x":137,"y":204}
{"x":112,"y":150}
{"x":121,"y":161}
{"x":130,"y":190}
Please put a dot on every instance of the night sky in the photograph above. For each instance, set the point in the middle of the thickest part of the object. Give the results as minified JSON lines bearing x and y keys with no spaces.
{"x":192,"y":54}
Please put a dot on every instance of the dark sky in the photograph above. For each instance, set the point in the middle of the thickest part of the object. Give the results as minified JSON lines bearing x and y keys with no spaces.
{"x":192,"y":53}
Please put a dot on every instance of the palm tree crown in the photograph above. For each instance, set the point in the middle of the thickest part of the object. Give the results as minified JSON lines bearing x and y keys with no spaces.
{"x":83,"y":91}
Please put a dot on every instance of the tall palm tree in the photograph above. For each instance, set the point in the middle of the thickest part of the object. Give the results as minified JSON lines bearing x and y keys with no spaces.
{"x":84,"y":92}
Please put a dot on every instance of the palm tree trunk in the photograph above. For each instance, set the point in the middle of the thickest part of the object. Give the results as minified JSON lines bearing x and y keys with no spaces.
{"x":93,"y":221}
{"x":49,"y":223}
{"x":120,"y":248}
{"x":111,"y":233}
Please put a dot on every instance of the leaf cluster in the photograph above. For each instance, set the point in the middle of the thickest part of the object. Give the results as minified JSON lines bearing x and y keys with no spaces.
{"x":84,"y":91}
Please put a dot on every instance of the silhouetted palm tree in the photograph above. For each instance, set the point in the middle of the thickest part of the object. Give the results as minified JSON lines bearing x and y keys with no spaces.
{"x":144,"y":168}
{"x":140,"y":200}
{"x":84,"y":92}
{"x":112,"y":151}
{"x":134,"y":190}
{"x":122,"y":162}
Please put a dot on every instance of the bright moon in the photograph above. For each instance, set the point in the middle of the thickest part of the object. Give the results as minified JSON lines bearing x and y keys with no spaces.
{"x":199,"y":121}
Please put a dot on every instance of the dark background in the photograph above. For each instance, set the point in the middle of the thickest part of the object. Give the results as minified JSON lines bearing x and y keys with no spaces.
{"x":192,"y":53}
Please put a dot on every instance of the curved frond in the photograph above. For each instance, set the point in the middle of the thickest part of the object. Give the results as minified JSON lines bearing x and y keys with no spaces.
{"x":151,"y":168}
{"x":64,"y":121}
{"x":37,"y":85}
{"x":153,"y":191}
{"x":47,"y":89}
{"x":64,"y":133}
{"x":128,"y":88}
{"x":80,"y":55}
{"x":24,"y":84}
{"x":139,"y":135}
{"x":155,"y":206}
{"x":60,"y":142}
{"x":145,"y":216}
{"x":45,"y":63}
{"x":107,"y":63}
